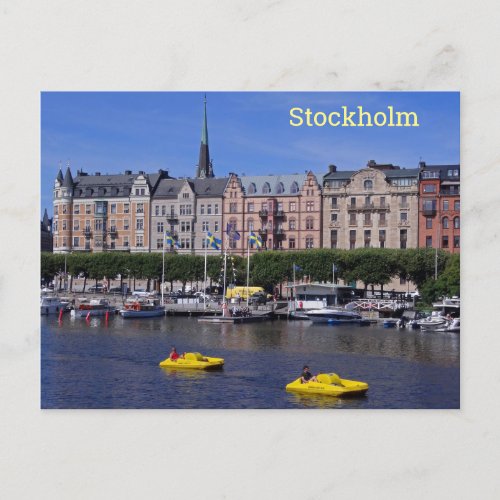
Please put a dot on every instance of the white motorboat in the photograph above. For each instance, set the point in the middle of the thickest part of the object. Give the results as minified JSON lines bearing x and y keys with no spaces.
{"x":432,"y":322}
{"x":444,"y":318}
{"x":50,"y":304}
{"x":92,"y":307}
{"x":142,"y":308}
{"x":331,"y":315}
{"x":452,"y":325}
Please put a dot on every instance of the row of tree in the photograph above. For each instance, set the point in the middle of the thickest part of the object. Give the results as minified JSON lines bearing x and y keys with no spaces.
{"x":371,"y":266}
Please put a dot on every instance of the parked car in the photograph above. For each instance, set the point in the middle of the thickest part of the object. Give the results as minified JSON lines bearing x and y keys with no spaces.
{"x":258,"y":298}
{"x":140,"y":292}
{"x":95,"y":288}
{"x":115,"y":289}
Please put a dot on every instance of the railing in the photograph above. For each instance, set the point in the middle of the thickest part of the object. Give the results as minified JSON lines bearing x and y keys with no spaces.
{"x":263,"y":213}
{"x":279,"y":213}
{"x":429,"y":211}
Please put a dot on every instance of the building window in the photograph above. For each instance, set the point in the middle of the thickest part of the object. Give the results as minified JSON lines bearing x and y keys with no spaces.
{"x":333,"y":217}
{"x":368,"y":219}
{"x":64,"y":225}
{"x":368,"y":237}
{"x":202,"y":209}
{"x":216,"y":226}
{"x":280,"y":188}
{"x":456,"y":222}
{"x":403,"y":237}
{"x":159,"y":227}
{"x":381,"y":237}
{"x":430,"y":188}
{"x":64,"y":209}
{"x":76,"y":241}
{"x":293,"y":206}
{"x":143,"y":191}
{"x":250,"y":207}
{"x":250,"y":225}
{"x":266,"y":188}
{"x":125,"y":224}
{"x":456,"y":205}
{"x":185,"y":227}
{"x":87,"y":209}
{"x":112,"y":208}
{"x":368,"y":184}
{"x":186,"y":209}
{"x":309,"y":223}
{"x":446,"y":205}
{"x":164,"y":210}
{"x":456,"y":241}
{"x":76,"y":209}
{"x":139,"y":240}
{"x":125,"y":241}
{"x":216,"y":206}
{"x":381,"y":219}
{"x":185,"y":196}
{"x":76,"y":225}
{"x":333,"y":238}
{"x":334,"y":202}
{"x":157,"y":209}
{"x":352,"y":219}
{"x":139,"y":224}
{"x":309,"y":242}
{"x":428,"y":223}
{"x":353,"y":202}
{"x":382,"y":202}
{"x":445,"y":222}
{"x":291,"y":242}
{"x":204,"y":226}
{"x":251,"y":188}
{"x":428,"y":241}
{"x":159,"y":243}
{"x":294,"y":189}
{"x":445,"y":242}
{"x":310,"y":206}
{"x":126,"y":208}
{"x":233,"y":208}
{"x":292,"y":225}
{"x":140,"y":208}
{"x":403,"y":216}
{"x":209,"y":209}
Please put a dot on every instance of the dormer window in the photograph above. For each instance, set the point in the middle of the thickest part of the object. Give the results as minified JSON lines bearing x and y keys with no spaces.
{"x":252,"y":189}
{"x":294,"y":189}
{"x":368,"y":184}
{"x":266,"y":189}
{"x":280,"y":188}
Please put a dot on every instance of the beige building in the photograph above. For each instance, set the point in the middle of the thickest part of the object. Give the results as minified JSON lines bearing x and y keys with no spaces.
{"x":373,"y":207}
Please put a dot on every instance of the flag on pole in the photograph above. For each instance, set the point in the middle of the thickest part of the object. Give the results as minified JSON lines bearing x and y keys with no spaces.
{"x":213,"y":241}
{"x":169,"y":240}
{"x":255,"y":238}
{"x":297,"y":268}
{"x":231,"y":232}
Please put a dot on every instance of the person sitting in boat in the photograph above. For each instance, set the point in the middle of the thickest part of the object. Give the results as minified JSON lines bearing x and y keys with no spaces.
{"x":174,"y":355}
{"x":307,"y":376}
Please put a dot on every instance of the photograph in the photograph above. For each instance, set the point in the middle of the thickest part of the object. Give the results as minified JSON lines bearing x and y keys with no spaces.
{"x":250,"y":250}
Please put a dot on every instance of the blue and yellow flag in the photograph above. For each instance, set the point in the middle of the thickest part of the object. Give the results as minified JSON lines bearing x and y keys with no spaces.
{"x":255,"y":238}
{"x":169,"y":240}
{"x":213,"y":241}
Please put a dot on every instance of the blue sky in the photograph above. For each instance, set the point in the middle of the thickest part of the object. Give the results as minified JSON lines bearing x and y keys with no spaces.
{"x":249,"y":132}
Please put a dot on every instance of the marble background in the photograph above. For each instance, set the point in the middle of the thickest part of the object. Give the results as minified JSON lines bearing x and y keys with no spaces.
{"x":235,"y":45}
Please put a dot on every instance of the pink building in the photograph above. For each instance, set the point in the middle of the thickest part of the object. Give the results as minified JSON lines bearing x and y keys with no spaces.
{"x":285,"y":210}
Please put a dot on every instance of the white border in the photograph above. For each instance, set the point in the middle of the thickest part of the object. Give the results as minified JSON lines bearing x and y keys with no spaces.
{"x":236,"y":45}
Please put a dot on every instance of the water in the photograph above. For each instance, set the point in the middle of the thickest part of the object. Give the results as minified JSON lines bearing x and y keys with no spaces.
{"x":115,"y":365}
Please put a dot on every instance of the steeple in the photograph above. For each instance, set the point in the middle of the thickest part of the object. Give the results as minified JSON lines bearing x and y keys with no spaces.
{"x":60,"y":175}
{"x":204,"y":164}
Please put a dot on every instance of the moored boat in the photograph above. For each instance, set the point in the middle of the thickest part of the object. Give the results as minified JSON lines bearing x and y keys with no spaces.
{"x":142,"y":308}
{"x":193,"y":361}
{"x":333,"y":315}
{"x":329,"y":384}
{"x":92,"y":307}
{"x":50,"y":304}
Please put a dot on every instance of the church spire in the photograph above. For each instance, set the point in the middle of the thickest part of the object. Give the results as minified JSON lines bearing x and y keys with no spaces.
{"x":204,"y":164}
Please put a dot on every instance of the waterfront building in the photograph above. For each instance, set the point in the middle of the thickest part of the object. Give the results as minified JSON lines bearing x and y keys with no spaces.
{"x":103,"y":212}
{"x":376,"y":206}
{"x":439,"y":215}
{"x":285,"y":210}
{"x":46,"y":233}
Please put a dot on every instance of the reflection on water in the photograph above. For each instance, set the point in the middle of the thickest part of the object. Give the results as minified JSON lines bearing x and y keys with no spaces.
{"x":114,"y":364}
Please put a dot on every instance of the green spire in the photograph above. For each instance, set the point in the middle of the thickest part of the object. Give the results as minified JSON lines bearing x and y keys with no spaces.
{"x":204,"y":130}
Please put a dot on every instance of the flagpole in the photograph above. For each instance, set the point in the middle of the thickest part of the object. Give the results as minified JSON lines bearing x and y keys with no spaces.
{"x":248,"y":264}
{"x":163,"y":268}
{"x":294,"y":288}
{"x":224,"y":304}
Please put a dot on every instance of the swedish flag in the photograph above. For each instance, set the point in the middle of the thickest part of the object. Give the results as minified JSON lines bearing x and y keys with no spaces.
{"x":255,"y":238}
{"x":213,"y":241}
{"x":168,"y":239}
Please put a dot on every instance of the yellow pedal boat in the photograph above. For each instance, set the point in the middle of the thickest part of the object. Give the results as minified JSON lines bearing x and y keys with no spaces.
{"x":329,"y":384}
{"x":194,"y":361}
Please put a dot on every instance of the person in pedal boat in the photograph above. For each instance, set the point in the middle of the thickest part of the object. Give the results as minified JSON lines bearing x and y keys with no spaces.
{"x":307,"y":376}
{"x":174,"y":356}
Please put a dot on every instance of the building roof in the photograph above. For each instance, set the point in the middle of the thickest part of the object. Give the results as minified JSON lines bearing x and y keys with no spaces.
{"x":390,"y":174}
{"x":444,"y":170}
{"x":274,"y":182}
{"x":68,"y":179}
{"x":203,"y":188}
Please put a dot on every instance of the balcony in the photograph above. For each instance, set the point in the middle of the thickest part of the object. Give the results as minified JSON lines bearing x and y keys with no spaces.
{"x":87,"y":232}
{"x":263,"y":213}
{"x":429,"y":212}
{"x":367,"y":223}
{"x":263,"y":232}
{"x":279,"y":213}
{"x":334,"y":223}
{"x":113,"y":232}
{"x":404,"y":204}
{"x":404,"y":223}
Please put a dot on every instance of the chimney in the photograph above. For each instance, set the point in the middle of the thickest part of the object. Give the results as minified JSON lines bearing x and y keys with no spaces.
{"x":332,"y":168}
{"x":421,"y":164}
{"x":371,"y":163}
{"x":128,"y":172}
{"x":97,"y":173}
{"x":141,"y":172}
